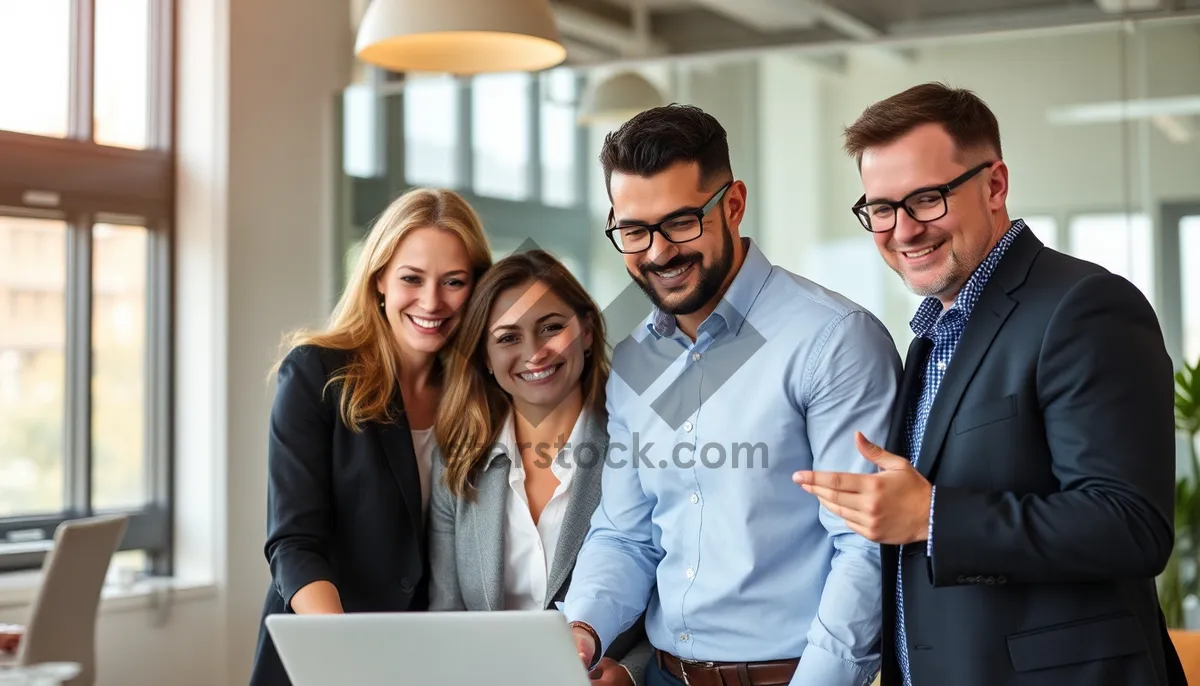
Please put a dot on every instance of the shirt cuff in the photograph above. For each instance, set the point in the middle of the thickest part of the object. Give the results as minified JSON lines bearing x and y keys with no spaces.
{"x":819,"y":666}
{"x":929,"y":539}
{"x":598,"y":615}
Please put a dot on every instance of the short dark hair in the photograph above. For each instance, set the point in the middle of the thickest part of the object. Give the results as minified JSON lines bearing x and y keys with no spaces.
{"x":663,"y":136}
{"x":964,"y":116}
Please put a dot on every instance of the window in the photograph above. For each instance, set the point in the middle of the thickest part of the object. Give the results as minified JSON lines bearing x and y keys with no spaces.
{"x":431,"y":132}
{"x":559,"y":139}
{"x":1120,"y":243}
{"x":32,"y":368}
{"x":1045,"y":228}
{"x":37,"y":94}
{"x":122,"y":72}
{"x":1189,"y":252}
{"x":85,"y":207}
{"x":500,"y":126}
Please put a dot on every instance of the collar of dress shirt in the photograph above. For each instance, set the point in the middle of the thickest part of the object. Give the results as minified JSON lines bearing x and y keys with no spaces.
{"x":929,"y":312}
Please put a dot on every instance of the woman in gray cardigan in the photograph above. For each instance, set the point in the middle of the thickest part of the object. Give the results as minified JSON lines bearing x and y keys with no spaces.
{"x":522,"y":436}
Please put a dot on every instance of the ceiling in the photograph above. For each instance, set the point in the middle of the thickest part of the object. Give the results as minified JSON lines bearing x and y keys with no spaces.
{"x":598,"y":31}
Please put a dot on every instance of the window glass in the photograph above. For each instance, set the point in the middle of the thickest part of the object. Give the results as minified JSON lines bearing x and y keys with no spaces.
{"x":1045,"y":228}
{"x":500,"y":123}
{"x":559,"y":138}
{"x":431,"y":132}
{"x":1120,"y":243}
{"x":32,"y":364}
{"x":119,"y":296}
{"x":1189,"y":252}
{"x":122,"y":72}
{"x":35,"y":66}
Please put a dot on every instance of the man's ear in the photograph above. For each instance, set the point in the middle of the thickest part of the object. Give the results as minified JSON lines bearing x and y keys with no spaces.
{"x":735,"y":199}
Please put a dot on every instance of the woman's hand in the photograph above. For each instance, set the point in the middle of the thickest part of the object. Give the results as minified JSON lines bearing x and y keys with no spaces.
{"x":10,"y":637}
{"x":609,"y":672}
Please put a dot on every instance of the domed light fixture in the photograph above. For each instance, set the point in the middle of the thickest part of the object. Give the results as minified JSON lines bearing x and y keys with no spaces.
{"x":618,"y":98}
{"x":459,"y":36}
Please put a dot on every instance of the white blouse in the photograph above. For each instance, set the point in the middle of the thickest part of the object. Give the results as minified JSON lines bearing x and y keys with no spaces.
{"x":529,"y":548}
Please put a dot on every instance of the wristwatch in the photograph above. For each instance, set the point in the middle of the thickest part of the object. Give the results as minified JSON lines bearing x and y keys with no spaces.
{"x":595,"y":640}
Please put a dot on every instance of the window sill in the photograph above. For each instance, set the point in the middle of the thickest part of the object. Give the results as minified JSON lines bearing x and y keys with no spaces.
{"x":18,"y":589}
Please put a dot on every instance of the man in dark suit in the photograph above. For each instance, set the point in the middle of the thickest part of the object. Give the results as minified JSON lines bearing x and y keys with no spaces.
{"x":1024,"y":501}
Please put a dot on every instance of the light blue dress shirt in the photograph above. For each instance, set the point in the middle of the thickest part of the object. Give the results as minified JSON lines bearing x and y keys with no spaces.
{"x":700,"y":524}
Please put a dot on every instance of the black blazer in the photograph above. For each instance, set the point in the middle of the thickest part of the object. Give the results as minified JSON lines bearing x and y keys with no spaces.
{"x":1051,"y":443}
{"x":342,"y":506}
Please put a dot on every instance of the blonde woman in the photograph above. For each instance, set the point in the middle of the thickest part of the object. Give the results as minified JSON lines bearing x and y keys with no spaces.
{"x":524,"y":439}
{"x":351,"y":430}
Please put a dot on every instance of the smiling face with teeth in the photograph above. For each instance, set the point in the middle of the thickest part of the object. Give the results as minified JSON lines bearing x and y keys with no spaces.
{"x":536,"y":348}
{"x":936,"y":258}
{"x":683,"y":279}
{"x":423,"y":288}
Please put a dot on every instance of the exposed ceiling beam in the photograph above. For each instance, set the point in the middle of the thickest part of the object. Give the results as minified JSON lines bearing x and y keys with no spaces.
{"x":580,"y":52}
{"x":1126,"y":6}
{"x":843,"y":21}
{"x":764,"y":15}
{"x":999,"y":21}
{"x":584,"y":25}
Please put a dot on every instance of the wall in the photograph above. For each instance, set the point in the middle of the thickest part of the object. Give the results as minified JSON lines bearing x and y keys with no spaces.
{"x":1056,"y":169}
{"x":254,"y":255}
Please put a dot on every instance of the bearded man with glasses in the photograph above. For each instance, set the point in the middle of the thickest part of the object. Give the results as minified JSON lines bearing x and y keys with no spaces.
{"x":741,"y":374}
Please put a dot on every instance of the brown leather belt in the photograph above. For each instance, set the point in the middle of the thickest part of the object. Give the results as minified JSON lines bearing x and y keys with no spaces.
{"x":692,"y":673}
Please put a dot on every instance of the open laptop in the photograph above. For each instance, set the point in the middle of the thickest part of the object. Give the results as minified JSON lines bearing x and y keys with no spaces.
{"x":531,"y":648}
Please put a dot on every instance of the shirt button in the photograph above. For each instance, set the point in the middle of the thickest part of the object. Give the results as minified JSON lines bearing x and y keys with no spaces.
{"x":941,"y":366}
{"x":695,"y":357}
{"x":695,"y":498}
{"x":687,"y":426}
{"x":690,"y":572}
{"x":684,"y":637}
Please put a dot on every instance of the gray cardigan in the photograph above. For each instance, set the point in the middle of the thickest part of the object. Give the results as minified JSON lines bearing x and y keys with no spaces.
{"x":466,"y":543}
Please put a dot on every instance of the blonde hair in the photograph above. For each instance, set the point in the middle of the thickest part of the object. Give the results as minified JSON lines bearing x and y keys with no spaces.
{"x":473,"y":406}
{"x":369,"y":378}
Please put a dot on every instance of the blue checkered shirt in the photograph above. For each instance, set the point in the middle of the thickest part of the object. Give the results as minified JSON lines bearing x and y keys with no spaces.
{"x":944,"y":328}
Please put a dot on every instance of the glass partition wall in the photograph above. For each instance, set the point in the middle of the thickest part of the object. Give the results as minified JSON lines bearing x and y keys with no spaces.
{"x":1100,"y":128}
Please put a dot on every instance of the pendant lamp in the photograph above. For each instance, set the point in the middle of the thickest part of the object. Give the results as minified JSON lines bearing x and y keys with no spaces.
{"x":459,"y":36}
{"x":618,"y":98}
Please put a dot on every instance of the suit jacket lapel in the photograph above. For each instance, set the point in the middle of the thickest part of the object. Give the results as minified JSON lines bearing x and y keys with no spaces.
{"x":396,"y":439}
{"x":584,"y":498}
{"x":484,"y":523}
{"x":990,"y":312}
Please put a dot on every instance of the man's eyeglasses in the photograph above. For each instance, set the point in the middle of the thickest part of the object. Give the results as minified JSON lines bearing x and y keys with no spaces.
{"x":679,"y":227}
{"x":924,"y":204}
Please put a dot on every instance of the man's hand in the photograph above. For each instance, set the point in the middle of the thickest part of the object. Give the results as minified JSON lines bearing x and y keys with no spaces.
{"x":609,"y":672}
{"x":585,"y":644}
{"x":10,"y":637}
{"x":891,"y":506}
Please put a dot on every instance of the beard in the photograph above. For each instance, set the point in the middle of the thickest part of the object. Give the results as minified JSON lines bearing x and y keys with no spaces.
{"x":708,"y":284}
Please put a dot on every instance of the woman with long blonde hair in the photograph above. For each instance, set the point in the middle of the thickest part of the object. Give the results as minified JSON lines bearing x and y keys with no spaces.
{"x":523,"y":436}
{"x":351,"y":430}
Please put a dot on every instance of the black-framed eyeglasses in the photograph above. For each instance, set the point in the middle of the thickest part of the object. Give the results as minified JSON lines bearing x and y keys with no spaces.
{"x":924,"y":204}
{"x":678,"y":227}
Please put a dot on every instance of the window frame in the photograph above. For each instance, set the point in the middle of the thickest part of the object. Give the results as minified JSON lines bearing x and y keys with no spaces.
{"x":465,"y":135}
{"x":82,"y":183}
